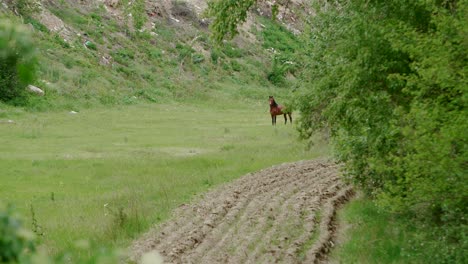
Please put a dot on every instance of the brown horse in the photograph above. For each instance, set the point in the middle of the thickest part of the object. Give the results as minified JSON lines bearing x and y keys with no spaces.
{"x":276,"y":109}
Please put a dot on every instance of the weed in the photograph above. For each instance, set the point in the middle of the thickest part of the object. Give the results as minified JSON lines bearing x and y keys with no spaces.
{"x":155,"y":53}
{"x":184,"y":51}
{"x":62,"y":42}
{"x":236,"y":66}
{"x":215,"y":55}
{"x":36,"y":24}
{"x":197,"y":58}
{"x":232,"y":52}
{"x":36,"y":228}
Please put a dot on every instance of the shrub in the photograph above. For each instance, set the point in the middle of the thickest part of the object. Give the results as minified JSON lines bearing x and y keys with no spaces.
{"x":36,"y":24}
{"x":15,"y":241}
{"x":24,"y":8}
{"x":236,"y":66}
{"x":17,"y":62}
{"x":185,"y":51}
{"x":139,"y":14}
{"x":215,"y":54}
{"x":388,"y":78}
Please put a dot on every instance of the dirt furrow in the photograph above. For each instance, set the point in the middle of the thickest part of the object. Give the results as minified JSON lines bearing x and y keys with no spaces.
{"x":263,"y":217}
{"x":190,"y":221}
{"x":268,"y":247}
{"x":255,"y":217}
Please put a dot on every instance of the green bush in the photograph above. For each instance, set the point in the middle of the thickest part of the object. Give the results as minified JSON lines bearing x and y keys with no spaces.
{"x":215,"y":54}
{"x":277,"y":73}
{"x":24,"y":8}
{"x":139,"y":14}
{"x":388,"y":79}
{"x":185,"y":51}
{"x":15,"y":241}
{"x":236,"y":66}
{"x":36,"y":24}
{"x":17,"y":62}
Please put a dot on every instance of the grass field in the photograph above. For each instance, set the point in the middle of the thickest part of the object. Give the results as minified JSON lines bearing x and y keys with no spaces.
{"x":370,"y":234}
{"x":108,"y":174}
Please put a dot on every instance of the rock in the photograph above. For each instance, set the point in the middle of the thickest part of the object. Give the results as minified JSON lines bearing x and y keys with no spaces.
{"x":35,"y":90}
{"x":112,"y":3}
{"x":73,"y":112}
{"x":9,"y":121}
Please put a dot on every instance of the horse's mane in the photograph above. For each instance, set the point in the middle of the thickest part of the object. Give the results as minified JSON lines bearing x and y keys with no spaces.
{"x":274,"y":104}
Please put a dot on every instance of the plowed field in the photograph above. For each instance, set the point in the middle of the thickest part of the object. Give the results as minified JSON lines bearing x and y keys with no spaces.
{"x":281,"y":214}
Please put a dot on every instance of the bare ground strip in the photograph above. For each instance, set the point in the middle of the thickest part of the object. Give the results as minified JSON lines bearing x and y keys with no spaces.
{"x":283,"y":214}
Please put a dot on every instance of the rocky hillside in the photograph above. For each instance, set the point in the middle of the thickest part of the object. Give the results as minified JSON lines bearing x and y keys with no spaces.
{"x":124,"y":51}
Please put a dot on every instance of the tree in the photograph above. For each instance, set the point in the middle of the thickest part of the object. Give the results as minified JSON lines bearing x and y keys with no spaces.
{"x":387,"y":78}
{"x":17,"y":62}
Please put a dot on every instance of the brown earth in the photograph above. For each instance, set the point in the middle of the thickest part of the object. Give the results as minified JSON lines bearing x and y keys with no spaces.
{"x":283,"y":214}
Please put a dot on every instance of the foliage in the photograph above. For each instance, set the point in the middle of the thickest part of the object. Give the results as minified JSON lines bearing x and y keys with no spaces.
{"x":15,"y":241}
{"x":393,"y":94}
{"x":395,"y":110}
{"x":388,"y":80}
{"x":36,"y":24}
{"x":227,"y":15}
{"x":377,"y":236}
{"x":24,"y":8}
{"x":283,"y":45}
{"x":139,"y":14}
{"x":185,"y":51}
{"x":17,"y":62}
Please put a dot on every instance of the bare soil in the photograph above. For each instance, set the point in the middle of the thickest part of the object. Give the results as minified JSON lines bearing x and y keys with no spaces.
{"x":283,"y":214}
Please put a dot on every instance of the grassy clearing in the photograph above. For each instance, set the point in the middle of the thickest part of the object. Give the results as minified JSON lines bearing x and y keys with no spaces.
{"x":109,"y":174}
{"x":376,"y":236}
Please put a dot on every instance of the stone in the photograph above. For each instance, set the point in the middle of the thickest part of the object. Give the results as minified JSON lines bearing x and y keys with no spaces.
{"x":36,"y":90}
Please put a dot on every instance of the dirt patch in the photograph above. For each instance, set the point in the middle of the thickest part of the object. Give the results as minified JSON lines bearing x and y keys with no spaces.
{"x":280,"y":214}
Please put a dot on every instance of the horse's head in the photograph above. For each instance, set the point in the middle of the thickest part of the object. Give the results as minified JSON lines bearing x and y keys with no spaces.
{"x":272,"y":101}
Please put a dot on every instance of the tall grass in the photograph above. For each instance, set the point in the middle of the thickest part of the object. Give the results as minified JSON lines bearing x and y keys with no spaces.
{"x":373,"y":235}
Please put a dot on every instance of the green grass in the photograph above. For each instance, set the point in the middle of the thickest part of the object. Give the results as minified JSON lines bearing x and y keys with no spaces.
{"x":373,"y":235}
{"x":109,"y":174}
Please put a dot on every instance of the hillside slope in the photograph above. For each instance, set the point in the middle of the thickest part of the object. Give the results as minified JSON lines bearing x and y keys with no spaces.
{"x":121,"y":52}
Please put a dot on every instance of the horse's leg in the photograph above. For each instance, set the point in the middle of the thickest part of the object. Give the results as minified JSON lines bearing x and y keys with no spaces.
{"x":274,"y":116}
{"x":272,"y":120}
{"x":290,"y":117}
{"x":285,"y":119}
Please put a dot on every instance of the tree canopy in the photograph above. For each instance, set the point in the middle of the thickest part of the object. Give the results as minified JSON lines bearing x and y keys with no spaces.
{"x":387,"y":79}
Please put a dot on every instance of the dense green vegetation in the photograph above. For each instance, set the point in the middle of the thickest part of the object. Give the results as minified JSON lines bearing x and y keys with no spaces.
{"x":17,"y":62}
{"x":373,"y":235}
{"x":387,"y":79}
